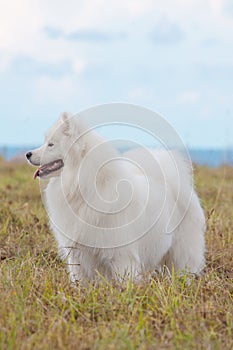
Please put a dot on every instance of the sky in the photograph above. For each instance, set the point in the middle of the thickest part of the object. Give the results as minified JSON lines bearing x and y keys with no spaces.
{"x":172,"y":56}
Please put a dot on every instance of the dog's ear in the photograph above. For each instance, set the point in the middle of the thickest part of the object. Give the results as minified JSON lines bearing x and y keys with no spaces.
{"x":66,"y":123}
{"x":71,"y":126}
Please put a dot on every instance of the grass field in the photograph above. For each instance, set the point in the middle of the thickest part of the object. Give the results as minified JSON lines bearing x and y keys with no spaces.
{"x":39,"y":309}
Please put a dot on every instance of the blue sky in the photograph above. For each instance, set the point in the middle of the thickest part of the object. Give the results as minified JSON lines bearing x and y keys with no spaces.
{"x":174,"y":56}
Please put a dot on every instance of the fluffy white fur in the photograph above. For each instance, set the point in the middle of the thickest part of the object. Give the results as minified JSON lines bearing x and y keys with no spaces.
{"x":102,"y":218}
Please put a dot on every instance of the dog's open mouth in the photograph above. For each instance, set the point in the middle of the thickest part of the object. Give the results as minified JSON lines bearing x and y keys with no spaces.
{"x":46,"y":169}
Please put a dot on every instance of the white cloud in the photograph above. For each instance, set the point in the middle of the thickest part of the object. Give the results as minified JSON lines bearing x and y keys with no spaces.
{"x":216,"y":6}
{"x":4,"y":62}
{"x":166,"y":32}
{"x":22,"y":23}
{"x":79,"y":66}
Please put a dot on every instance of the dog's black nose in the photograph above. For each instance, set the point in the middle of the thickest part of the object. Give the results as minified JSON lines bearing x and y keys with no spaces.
{"x":28,"y":155}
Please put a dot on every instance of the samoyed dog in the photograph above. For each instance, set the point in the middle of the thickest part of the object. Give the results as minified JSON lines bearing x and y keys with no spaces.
{"x":118,"y":215}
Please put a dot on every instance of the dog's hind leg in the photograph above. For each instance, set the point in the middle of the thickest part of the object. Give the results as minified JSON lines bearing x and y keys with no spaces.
{"x":73,"y":265}
{"x":187,"y":252}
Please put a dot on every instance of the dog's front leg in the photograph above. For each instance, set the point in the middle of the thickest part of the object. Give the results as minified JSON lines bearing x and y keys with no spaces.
{"x":74,"y":269}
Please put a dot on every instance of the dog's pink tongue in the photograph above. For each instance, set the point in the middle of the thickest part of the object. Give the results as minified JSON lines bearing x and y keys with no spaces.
{"x":36,"y":173}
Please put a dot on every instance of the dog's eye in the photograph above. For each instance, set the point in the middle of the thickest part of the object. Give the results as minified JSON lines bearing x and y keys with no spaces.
{"x":51,"y":144}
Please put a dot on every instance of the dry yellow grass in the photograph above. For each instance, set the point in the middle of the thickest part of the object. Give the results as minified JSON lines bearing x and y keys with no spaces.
{"x":40,"y":309}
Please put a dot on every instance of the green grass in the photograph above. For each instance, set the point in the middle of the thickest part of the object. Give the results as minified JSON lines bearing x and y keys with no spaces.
{"x":39,"y":309}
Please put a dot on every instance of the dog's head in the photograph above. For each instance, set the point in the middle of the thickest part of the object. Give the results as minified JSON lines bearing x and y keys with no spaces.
{"x":51,"y":156}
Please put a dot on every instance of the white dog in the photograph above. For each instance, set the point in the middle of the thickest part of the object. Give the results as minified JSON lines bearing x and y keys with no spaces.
{"x":118,"y":215}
